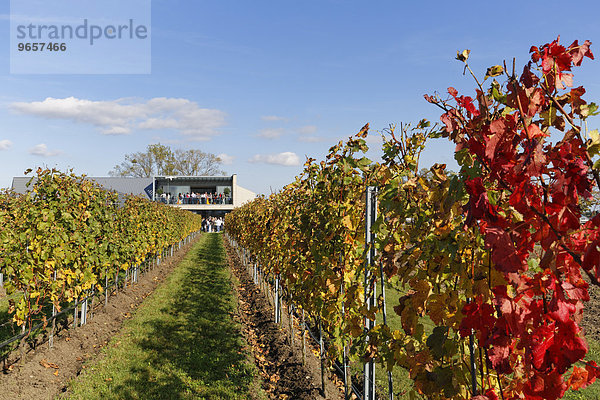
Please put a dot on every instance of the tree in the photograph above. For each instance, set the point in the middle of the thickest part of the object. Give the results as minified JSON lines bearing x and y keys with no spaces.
{"x":196,"y":162}
{"x":161,"y":160}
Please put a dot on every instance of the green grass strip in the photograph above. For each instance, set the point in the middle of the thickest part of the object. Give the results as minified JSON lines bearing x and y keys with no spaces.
{"x":182,"y":343}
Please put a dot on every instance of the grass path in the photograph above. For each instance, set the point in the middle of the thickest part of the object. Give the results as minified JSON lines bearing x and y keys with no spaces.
{"x":182,"y":343}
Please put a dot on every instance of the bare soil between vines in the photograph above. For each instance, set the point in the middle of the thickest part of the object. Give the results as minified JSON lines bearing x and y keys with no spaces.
{"x":280,"y":363}
{"x":591,"y":315}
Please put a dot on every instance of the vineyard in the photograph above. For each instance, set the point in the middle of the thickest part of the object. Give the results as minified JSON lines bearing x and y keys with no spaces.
{"x":491,"y":264}
{"x":69,"y":243}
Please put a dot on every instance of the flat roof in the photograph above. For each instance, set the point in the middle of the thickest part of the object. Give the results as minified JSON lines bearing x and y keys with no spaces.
{"x":119,"y":184}
{"x":192,"y":179}
{"x":210,"y":177}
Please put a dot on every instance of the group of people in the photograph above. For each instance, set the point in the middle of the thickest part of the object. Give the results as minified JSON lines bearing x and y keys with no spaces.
{"x":213,"y":224}
{"x":195,"y":198}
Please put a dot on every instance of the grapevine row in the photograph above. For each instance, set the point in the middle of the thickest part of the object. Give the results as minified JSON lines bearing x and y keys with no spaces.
{"x":495,"y":255}
{"x":68,"y":236}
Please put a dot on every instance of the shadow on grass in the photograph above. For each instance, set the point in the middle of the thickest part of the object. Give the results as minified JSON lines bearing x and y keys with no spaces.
{"x":197,"y":347}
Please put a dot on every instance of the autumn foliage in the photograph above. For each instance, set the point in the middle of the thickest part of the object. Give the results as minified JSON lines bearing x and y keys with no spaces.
{"x":524,"y":194}
{"x":68,"y":236}
{"x":495,"y":253}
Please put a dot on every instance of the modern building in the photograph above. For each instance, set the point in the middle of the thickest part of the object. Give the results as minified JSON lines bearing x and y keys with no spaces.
{"x":206,"y":195}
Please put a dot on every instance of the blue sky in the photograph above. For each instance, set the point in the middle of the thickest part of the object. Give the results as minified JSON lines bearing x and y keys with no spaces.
{"x":267,"y":83}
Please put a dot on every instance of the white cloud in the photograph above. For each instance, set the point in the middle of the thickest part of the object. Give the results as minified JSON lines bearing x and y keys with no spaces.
{"x":273,"y":118}
{"x":286,"y":158}
{"x":116,"y":130}
{"x":42,"y":151}
{"x":270,"y":133}
{"x":307,"y":134}
{"x":307,"y":130}
{"x":122,"y":116}
{"x":5,"y":144}
{"x":226,"y":158}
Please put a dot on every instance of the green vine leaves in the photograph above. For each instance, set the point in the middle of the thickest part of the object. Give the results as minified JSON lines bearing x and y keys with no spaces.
{"x":67,"y":234}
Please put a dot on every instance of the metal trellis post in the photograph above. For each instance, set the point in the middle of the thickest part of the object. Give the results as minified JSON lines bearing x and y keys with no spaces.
{"x":370,"y":289}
